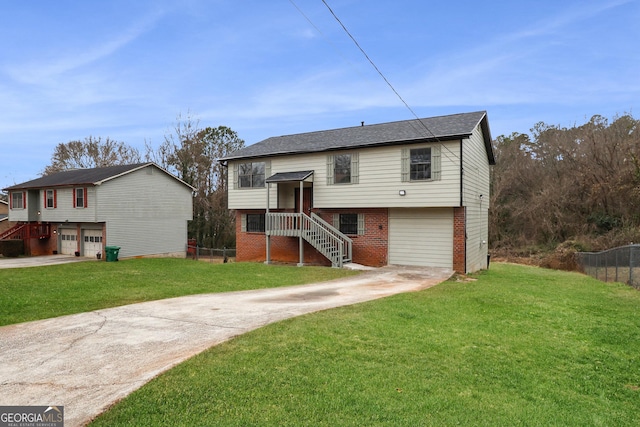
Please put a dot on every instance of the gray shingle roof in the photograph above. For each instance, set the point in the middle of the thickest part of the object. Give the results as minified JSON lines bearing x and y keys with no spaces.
{"x":455,"y":126}
{"x":290,"y":176}
{"x":85,"y":177}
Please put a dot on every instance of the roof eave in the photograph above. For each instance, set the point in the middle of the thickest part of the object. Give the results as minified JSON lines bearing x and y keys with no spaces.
{"x":351,"y":147}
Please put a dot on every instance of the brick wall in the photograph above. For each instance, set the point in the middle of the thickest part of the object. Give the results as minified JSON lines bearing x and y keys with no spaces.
{"x":459,"y":240}
{"x":370,"y":249}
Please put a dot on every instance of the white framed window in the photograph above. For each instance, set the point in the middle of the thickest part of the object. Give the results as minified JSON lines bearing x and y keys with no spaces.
{"x":18,"y":200}
{"x":50,"y":201}
{"x":251,"y":174}
{"x":79,"y":197}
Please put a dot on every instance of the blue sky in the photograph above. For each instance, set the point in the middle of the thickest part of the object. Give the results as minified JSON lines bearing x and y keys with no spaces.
{"x":126,"y":69}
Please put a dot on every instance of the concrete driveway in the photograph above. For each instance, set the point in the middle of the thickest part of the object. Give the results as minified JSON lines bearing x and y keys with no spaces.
{"x":38,"y":261}
{"x":87,"y":362}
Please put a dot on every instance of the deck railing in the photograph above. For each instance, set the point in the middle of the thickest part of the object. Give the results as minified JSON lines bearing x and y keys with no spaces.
{"x":27,"y":231}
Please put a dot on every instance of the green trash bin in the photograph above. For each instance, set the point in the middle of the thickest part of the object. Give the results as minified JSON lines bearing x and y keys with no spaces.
{"x":112,"y":253}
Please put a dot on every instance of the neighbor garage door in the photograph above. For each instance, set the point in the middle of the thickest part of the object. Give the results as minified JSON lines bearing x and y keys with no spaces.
{"x":68,"y":241}
{"x":92,"y":242}
{"x":422,"y":237}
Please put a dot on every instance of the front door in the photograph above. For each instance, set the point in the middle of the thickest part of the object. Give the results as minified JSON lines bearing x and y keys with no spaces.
{"x":307,"y":200}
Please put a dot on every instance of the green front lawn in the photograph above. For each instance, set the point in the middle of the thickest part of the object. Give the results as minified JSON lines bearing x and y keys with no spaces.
{"x":42,"y":292}
{"x":520,"y":346}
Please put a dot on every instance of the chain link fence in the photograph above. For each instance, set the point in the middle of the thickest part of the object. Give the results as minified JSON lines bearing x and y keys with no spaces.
{"x":614,"y":265}
{"x":209,"y":254}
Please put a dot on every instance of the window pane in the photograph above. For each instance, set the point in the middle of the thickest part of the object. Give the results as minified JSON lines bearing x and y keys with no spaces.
{"x":342,"y":169}
{"x":17,"y":201}
{"x":349,"y":223}
{"x":258,"y":168}
{"x":255,"y":223}
{"x":251,"y":175}
{"x":421,"y":164}
{"x":244,"y":181}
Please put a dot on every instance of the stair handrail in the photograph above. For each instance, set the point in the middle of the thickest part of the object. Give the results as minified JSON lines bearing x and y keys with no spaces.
{"x":325,"y":242}
{"x":13,"y":230}
{"x":348,"y":242}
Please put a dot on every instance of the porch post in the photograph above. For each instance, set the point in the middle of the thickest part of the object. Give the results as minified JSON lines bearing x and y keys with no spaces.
{"x":266,"y":227}
{"x":300,"y":239}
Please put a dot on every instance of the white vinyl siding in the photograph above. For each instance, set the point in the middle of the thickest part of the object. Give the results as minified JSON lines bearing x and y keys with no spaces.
{"x":65,"y":210}
{"x":476,"y":184}
{"x":422,"y":237}
{"x":379,"y":181}
{"x":145,"y":214}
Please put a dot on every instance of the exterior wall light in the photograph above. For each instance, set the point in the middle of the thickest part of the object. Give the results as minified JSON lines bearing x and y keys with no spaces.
{"x":402,"y":193}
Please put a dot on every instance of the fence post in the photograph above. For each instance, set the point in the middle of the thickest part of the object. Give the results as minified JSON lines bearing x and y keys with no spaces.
{"x":617,"y":265}
{"x":631,"y":248}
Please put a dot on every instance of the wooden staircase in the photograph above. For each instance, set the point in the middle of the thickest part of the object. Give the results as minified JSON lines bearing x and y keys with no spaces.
{"x":326,"y":239}
{"x":27,"y":230}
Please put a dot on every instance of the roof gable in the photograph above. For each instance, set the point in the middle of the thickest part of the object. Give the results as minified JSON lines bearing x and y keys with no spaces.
{"x":456,"y":126}
{"x":86,"y":177}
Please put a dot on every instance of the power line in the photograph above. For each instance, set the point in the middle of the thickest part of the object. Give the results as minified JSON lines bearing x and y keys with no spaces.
{"x":385,"y":79}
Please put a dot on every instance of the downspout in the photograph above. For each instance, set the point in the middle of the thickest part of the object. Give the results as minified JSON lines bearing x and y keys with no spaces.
{"x":462,"y":206}
{"x":267,"y":223}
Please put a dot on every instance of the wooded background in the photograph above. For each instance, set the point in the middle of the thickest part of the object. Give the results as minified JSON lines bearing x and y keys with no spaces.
{"x":577,"y":186}
{"x":574,"y":188}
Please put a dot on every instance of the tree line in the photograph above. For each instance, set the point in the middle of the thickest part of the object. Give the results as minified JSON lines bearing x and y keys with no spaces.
{"x":579,"y":184}
{"x":190,"y":152}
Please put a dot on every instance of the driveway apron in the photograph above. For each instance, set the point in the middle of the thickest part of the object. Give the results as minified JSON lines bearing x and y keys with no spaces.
{"x":88,"y":361}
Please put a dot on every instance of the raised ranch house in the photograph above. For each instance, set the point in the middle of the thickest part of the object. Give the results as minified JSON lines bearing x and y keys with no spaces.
{"x":412,"y":192}
{"x":141,"y":208}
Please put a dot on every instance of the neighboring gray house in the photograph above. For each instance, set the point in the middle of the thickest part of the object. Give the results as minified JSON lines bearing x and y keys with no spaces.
{"x":141,"y":208}
{"x":412,"y":192}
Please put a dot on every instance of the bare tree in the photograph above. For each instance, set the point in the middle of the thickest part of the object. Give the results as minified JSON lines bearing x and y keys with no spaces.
{"x":562,"y":184}
{"x":92,"y":152}
{"x":191,"y":153}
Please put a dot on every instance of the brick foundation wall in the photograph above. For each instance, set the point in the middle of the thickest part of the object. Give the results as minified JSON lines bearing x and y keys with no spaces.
{"x":370,"y":249}
{"x":459,"y":240}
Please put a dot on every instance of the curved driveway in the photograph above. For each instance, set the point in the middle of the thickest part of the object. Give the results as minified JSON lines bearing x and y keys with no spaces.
{"x":86,"y":362}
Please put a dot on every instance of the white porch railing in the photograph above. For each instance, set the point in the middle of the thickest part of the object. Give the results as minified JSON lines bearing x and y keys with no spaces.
{"x":332,"y":244}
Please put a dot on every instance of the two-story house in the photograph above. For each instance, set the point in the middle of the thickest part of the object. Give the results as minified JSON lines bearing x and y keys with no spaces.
{"x":141,"y":208}
{"x":412,"y":192}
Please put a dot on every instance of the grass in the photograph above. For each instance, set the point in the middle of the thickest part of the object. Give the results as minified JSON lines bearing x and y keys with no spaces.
{"x":43,"y":292}
{"x":521,"y":346}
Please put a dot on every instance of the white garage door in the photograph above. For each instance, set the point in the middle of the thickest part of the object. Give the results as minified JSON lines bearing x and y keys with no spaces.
{"x":92,"y":243}
{"x":422,"y":237}
{"x":68,"y":241}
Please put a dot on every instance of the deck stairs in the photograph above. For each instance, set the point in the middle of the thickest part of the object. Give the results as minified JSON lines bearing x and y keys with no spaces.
{"x":330,"y":242}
